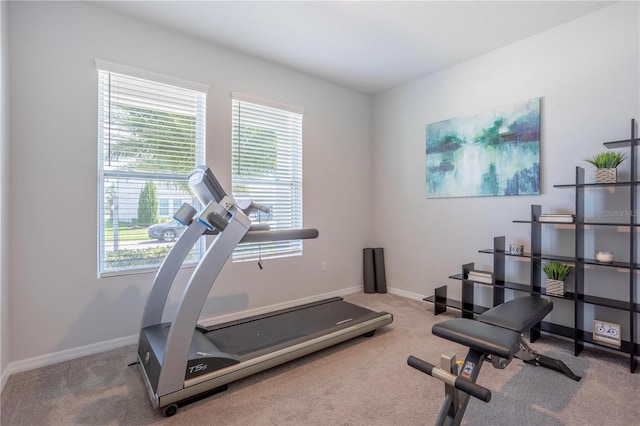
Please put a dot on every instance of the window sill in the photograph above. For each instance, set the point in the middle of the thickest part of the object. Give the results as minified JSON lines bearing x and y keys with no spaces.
{"x":139,"y":271}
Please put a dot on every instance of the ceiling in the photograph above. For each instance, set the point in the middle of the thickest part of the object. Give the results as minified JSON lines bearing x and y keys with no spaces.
{"x":368,"y":46}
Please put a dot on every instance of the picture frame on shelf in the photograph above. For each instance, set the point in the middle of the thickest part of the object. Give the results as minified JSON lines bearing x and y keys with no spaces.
{"x":606,"y":332}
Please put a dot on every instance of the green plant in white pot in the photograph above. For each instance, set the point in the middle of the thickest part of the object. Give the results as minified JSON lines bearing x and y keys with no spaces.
{"x":606,"y":165}
{"x":556,"y":274}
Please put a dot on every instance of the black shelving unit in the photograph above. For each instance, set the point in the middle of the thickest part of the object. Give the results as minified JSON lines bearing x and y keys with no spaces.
{"x":579,"y":298}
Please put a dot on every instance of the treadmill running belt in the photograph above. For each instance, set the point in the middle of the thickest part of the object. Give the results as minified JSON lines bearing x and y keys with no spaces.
{"x":257,"y":335}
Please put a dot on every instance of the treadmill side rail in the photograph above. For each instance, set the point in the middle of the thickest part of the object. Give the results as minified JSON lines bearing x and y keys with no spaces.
{"x":247,"y":368}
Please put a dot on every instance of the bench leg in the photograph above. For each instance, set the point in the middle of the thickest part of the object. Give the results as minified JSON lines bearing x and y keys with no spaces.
{"x":455,"y":401}
{"x":555,"y":364}
{"x":470,"y":371}
{"x":530,"y":356}
{"x":448,"y":363}
{"x":458,"y":387}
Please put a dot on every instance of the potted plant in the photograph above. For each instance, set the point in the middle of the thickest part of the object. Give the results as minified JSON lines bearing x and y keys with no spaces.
{"x":606,"y":163}
{"x":556,"y":274}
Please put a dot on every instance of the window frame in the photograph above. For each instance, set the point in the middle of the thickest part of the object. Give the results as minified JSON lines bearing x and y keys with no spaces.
{"x":248,"y":252}
{"x":104,"y":175}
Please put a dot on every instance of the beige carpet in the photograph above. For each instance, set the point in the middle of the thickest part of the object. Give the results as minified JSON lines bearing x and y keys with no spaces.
{"x":365,"y":381}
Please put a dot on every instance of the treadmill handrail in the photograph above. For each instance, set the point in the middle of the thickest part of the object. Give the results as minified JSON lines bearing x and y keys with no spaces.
{"x":157,"y":298}
{"x":281,"y":235}
{"x":194,"y":295}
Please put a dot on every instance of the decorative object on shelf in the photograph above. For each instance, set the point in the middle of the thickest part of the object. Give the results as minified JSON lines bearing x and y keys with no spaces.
{"x":556,"y":274}
{"x":564,"y":218}
{"x":606,"y":163}
{"x":555,"y":287}
{"x":607,"y":332}
{"x":604,"y":256}
{"x":606,"y":175}
{"x":490,"y":154}
{"x":516,"y":249}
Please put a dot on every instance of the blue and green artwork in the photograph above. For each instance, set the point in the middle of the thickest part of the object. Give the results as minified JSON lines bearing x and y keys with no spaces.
{"x":489,"y":154}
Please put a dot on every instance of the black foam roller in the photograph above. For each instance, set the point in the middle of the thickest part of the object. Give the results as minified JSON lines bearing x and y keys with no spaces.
{"x":381,"y":278}
{"x":368,"y":271}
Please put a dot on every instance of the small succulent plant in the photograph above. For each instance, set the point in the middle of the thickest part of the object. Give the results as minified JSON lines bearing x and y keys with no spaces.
{"x":607,"y":160}
{"x":557,"y":271}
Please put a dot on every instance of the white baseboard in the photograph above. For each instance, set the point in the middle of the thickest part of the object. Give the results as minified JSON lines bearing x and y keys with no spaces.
{"x":407,"y":294}
{"x":74,"y":353}
{"x":3,"y":379}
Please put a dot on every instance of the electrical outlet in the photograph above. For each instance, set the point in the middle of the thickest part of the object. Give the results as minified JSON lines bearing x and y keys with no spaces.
{"x":323,"y":266}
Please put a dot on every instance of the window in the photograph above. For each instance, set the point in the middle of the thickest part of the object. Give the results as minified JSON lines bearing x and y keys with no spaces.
{"x":163,"y":208}
{"x":267,"y":168}
{"x":151,"y":135}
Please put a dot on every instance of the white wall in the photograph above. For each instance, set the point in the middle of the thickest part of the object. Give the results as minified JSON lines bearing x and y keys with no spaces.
{"x":4,"y":171}
{"x":60,"y":304}
{"x":586,"y":72}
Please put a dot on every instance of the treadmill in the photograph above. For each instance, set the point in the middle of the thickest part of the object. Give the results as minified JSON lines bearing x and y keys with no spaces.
{"x":180,"y":361}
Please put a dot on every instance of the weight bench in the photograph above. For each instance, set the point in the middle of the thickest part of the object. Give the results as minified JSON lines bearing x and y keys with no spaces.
{"x":497,"y":337}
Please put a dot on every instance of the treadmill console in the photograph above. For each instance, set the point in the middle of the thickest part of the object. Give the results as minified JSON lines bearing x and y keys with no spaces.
{"x":206,"y":186}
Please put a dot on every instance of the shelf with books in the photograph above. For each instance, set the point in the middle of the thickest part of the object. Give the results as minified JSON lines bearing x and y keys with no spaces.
{"x":580,"y":298}
{"x":441,"y":302}
{"x":557,"y":218}
{"x":582,"y":226}
{"x":482,"y":277}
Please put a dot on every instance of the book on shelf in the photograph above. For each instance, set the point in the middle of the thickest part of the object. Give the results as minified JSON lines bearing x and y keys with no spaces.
{"x":481,"y":273}
{"x":480,"y":276}
{"x":483,"y":280}
{"x":564,"y":218}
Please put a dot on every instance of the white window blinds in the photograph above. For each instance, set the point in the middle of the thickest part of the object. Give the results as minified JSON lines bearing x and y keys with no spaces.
{"x":267,"y":168}
{"x":151,"y":136}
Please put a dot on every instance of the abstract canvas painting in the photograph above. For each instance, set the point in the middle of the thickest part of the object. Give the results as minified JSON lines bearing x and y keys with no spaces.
{"x":496,"y":153}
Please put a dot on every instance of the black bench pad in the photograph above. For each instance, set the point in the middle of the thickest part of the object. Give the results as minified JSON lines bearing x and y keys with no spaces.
{"x":518,"y":314}
{"x":480,"y":336}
